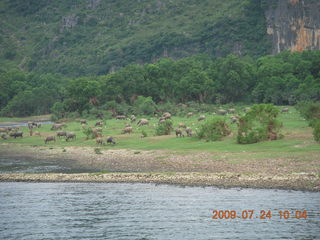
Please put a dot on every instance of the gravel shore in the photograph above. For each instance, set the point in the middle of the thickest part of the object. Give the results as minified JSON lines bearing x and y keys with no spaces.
{"x":306,"y":182}
{"x":200,"y":169}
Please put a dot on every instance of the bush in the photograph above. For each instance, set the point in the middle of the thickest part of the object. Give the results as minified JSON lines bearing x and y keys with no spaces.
{"x":97,"y":151}
{"x":164,"y":128}
{"x":214,"y":129}
{"x":168,"y":107}
{"x":259,"y":124}
{"x":117,"y":108}
{"x":58,"y":110}
{"x":89,"y":133}
{"x":144,"y":133}
{"x":144,"y":106}
{"x":316,"y":130}
{"x":310,"y":111}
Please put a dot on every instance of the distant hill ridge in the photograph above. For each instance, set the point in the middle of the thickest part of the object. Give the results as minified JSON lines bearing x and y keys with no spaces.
{"x":94,"y":37}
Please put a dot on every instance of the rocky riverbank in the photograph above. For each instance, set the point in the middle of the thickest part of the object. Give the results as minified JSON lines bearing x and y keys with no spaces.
{"x":157,"y":166}
{"x":307,"y":182}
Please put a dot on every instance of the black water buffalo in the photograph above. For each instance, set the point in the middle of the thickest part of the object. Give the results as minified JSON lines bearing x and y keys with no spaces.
{"x":179,"y":133}
{"x":49,"y":139}
{"x":61,"y":134}
{"x":110,"y":140}
{"x":189,"y":132}
{"x":70,"y":136}
{"x":16,"y":134}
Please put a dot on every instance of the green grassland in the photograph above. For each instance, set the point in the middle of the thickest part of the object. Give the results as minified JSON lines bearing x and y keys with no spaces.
{"x":297,"y":144}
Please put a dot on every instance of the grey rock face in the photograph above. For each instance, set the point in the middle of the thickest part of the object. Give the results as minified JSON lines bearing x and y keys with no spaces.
{"x":294,"y":24}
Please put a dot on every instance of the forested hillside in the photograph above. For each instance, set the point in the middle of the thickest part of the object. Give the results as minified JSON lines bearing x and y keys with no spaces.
{"x":125,"y":56}
{"x":94,"y":37}
{"x":285,"y":78}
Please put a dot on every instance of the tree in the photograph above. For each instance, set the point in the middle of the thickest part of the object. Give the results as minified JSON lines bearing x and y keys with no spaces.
{"x":83,"y":92}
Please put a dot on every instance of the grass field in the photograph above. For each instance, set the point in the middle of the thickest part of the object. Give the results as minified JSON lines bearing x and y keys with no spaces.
{"x":297,"y":143}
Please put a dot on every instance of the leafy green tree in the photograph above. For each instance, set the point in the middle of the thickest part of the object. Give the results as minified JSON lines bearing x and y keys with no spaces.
{"x":214,"y":129}
{"x":234,"y":79}
{"x":144,"y":106}
{"x":83,"y":92}
{"x":259,"y":124}
{"x":164,"y":128}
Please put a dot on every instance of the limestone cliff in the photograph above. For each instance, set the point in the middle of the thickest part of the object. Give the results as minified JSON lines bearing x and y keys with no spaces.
{"x":294,"y":24}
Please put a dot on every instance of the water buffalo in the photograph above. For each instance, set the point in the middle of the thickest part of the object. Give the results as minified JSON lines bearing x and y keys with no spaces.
{"x":222,"y":112}
{"x":166,"y":115}
{"x":61,"y":134}
{"x":49,"y":139}
{"x":57,"y":126}
{"x":36,"y":133}
{"x":142,"y":122}
{"x":202,"y":117}
{"x":4,"y":136}
{"x":189,"y":114}
{"x":285,"y":110}
{"x":99,"y":140}
{"x":231,"y":110}
{"x":127,"y":130}
{"x":234,"y":119}
{"x":121,"y":117}
{"x":4,"y":130}
{"x":70,"y":136}
{"x":110,"y":140}
{"x":83,"y":121}
{"x":98,"y":129}
{"x":189,"y":132}
{"x":161,"y":120}
{"x":182,"y":125}
{"x":16,"y":134}
{"x":97,"y":132}
{"x":179,"y":133}
{"x":33,"y":124}
{"x":133,"y":118}
{"x":99,"y":124}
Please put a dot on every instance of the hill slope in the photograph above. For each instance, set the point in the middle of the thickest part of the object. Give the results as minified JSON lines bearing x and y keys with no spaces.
{"x":84,"y":37}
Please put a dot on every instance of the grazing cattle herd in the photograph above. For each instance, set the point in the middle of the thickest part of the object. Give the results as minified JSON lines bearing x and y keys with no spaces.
{"x":182,"y":129}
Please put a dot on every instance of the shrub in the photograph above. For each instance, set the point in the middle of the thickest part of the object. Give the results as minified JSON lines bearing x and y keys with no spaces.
{"x":164,"y":128}
{"x":316,"y":130}
{"x":58,"y":110}
{"x":168,"y":107}
{"x":310,"y":111}
{"x":144,"y":133}
{"x":117,"y":108}
{"x":259,"y":124}
{"x":214,"y":129}
{"x":97,"y":151}
{"x":144,"y":106}
{"x":89,"y":133}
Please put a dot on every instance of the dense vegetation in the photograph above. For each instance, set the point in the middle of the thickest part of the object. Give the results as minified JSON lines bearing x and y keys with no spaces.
{"x":283,"y":79}
{"x":258,"y":124}
{"x":311,"y":112}
{"x":92,"y":37}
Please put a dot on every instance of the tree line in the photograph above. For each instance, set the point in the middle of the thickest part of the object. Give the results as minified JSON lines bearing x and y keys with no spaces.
{"x":282,"y":79}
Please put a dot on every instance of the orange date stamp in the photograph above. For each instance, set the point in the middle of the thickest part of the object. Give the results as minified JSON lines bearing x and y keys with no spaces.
{"x":262,"y":214}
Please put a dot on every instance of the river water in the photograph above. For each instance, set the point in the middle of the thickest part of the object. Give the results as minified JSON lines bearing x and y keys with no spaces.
{"x":22,"y":124}
{"x":148,"y":211}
